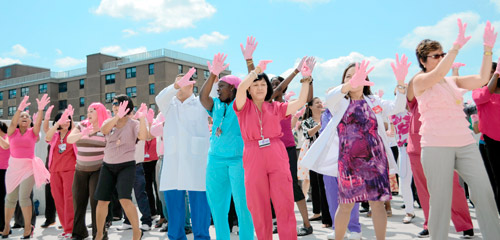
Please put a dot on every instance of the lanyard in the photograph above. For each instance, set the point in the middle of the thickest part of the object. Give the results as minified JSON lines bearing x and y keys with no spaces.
{"x":260,"y":122}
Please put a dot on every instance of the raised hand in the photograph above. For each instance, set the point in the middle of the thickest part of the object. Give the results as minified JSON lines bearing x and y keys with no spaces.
{"x":151,"y":115}
{"x":311,"y":62}
{"x":88,"y":130}
{"x":35,"y":115}
{"x":400,"y":69}
{"x":141,"y":112}
{"x":306,"y":71}
{"x":250,"y":47}
{"x":288,"y":95}
{"x":185,"y":80}
{"x":490,"y":36}
{"x":302,"y":61}
{"x":43,"y":102}
{"x":263,"y":65}
{"x":461,"y":39}
{"x":70,"y":110}
{"x":359,"y":78}
{"x":64,"y":117}
{"x":122,"y":109}
{"x":24,"y":103}
{"x":300,"y":112}
{"x":48,"y":112}
{"x":457,"y":65}
{"x":217,"y":65}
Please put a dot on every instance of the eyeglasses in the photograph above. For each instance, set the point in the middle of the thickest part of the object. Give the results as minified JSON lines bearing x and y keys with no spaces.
{"x":437,"y":56}
{"x":116,"y":104}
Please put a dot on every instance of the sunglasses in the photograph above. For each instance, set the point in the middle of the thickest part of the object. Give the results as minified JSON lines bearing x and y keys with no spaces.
{"x":116,"y":104}
{"x":437,"y":56}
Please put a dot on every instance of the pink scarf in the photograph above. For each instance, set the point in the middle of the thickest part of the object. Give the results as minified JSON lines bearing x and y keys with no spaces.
{"x":21,"y":168}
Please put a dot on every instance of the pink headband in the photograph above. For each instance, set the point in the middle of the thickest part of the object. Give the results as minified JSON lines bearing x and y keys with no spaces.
{"x":233,"y":80}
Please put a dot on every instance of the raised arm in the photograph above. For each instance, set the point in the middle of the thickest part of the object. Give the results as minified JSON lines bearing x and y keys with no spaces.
{"x":13,"y":122}
{"x":143,"y":129}
{"x":241,"y":92}
{"x":293,"y":106}
{"x":283,"y":85}
{"x":41,"y":105}
{"x":64,"y":118}
{"x":248,"y":52}
{"x":46,"y":120}
{"x":110,"y":123}
{"x":215,"y":68}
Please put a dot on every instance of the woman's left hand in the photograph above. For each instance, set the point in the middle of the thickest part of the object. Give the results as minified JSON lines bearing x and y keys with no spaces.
{"x":400,"y":69}
{"x":43,"y":102}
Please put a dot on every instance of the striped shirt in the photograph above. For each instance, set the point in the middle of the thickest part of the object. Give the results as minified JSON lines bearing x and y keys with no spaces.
{"x":90,"y":152}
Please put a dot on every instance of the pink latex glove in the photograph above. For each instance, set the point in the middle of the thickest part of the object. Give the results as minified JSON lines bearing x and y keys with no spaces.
{"x":43,"y":102}
{"x":48,"y":112}
{"x":64,"y":117}
{"x":301,"y":63}
{"x":457,"y":65}
{"x":160,"y":119}
{"x":288,"y":95}
{"x":88,"y":130}
{"x":359,"y":78}
{"x":122,"y":109}
{"x":400,"y":69}
{"x":306,"y":71}
{"x":311,"y":62}
{"x":263,"y":65}
{"x":461,"y":39}
{"x":151,"y":115}
{"x":35,"y":116}
{"x":24,"y":103}
{"x":185,"y":79}
{"x":300,"y":112}
{"x":71,"y":111}
{"x":497,"y":70}
{"x":474,"y":118}
{"x":490,"y":36}
{"x":380,"y":93}
{"x":141,"y":112}
{"x":217,"y":64}
{"x":297,"y":125}
{"x":390,"y":133}
{"x":250,"y":47}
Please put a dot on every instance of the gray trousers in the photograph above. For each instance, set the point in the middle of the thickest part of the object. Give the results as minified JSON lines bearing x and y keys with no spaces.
{"x":439,"y":164}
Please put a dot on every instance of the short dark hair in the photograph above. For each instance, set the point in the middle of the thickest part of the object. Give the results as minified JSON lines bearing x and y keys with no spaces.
{"x":366,"y":89}
{"x":122,"y":98}
{"x":269,"y":93}
{"x":493,"y":66}
{"x":281,"y":79}
{"x":58,"y":116}
{"x":3,"y":127}
{"x":424,"y":48}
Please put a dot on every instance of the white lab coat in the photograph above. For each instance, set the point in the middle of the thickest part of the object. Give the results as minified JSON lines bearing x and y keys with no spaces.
{"x":186,"y":139}
{"x":322,"y":156}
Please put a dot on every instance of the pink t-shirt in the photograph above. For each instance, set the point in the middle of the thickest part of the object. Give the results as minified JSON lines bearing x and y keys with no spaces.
{"x":443,"y":120}
{"x":488,"y":110}
{"x":271,"y":115}
{"x":120,"y":146}
{"x":23,"y":145}
{"x":4,"y":156}
{"x":286,"y":128}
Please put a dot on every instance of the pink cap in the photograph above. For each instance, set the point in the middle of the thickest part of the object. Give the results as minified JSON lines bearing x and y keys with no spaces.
{"x":233,"y":80}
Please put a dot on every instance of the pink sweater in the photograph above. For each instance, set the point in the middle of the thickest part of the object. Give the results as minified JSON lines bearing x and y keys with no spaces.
{"x":488,"y":110}
{"x":442,"y":116}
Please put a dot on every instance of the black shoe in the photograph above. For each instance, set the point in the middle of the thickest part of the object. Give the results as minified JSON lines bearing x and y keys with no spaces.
{"x":16,"y":226}
{"x":7,"y":236}
{"x":275,"y":229}
{"x":108,"y":224}
{"x":164,"y":229}
{"x":363,"y":210}
{"x":29,"y":235}
{"x":468,"y":234}
{"x":47,"y":224}
{"x":423,"y":234}
{"x":188,"y":230}
{"x":303,"y":231}
{"x":315,"y":219}
{"x":403,"y":206}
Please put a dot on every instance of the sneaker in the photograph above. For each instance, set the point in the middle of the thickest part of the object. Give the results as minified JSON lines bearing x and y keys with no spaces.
{"x":188,"y":230}
{"x":275,"y":229}
{"x":64,"y":235}
{"x":331,"y":236}
{"x":125,"y":227}
{"x":468,"y":234}
{"x":304,"y":231}
{"x":423,"y":234}
{"x":354,"y":236}
{"x":408,"y":218}
{"x":164,"y":229}
{"x":145,"y":227}
{"x":47,"y":224}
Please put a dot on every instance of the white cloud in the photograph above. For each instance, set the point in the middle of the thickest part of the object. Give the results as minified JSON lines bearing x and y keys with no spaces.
{"x":8,"y":61}
{"x":496,"y":3}
{"x":203,"y":41}
{"x":68,"y":62}
{"x":129,"y":32}
{"x":18,"y":51}
{"x":118,"y":51}
{"x":163,"y":15}
{"x":58,"y":51}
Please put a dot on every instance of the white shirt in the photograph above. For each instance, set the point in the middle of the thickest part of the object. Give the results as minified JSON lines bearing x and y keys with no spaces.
{"x":139,"y":151}
{"x":186,"y":141}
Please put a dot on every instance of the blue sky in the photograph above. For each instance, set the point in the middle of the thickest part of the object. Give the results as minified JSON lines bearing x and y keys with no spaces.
{"x":59,"y":34}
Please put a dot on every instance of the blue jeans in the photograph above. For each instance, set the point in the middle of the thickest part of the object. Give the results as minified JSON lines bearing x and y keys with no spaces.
{"x":141,"y":196}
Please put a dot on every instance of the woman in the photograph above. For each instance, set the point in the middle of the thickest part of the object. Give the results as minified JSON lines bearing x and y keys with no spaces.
{"x":62,"y":160}
{"x":118,"y":168}
{"x":25,"y":169}
{"x":355,"y":145}
{"x":265,"y":160}
{"x":90,"y":143}
{"x":446,"y":137}
{"x":4,"y":163}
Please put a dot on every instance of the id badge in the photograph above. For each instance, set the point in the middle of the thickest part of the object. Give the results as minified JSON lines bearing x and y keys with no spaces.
{"x":264,"y":142}
{"x":62,"y":147}
{"x":146,"y":155}
{"x":377,"y":109}
{"x":218,"y":132}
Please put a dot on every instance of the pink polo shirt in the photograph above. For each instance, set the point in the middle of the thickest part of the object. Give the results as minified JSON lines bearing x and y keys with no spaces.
{"x":488,"y":110}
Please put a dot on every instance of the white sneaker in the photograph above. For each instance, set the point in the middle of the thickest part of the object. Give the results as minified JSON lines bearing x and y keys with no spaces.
{"x":354,"y":236}
{"x":331,"y":236}
{"x":64,"y":235}
{"x":125,"y":227}
{"x":145,"y":227}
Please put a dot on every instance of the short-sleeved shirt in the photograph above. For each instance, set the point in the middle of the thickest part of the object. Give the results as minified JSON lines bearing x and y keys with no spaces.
{"x":286,"y":128}
{"x":120,"y":146}
{"x":271,"y":115}
{"x":23,"y":145}
{"x":65,"y":160}
{"x":229,"y":143}
{"x":4,"y":156}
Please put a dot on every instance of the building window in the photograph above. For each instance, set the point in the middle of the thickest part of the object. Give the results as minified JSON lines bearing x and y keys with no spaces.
{"x":12,"y":111}
{"x":25,"y":91}
{"x":151,"y":69}
{"x":82,"y":83}
{"x":195,"y":89}
{"x":151,"y":89}
{"x":206,"y":74}
{"x":82,"y":102}
{"x":82,"y":117}
{"x":130,"y":72}
{"x":42,"y":88}
{"x":110,"y":78}
{"x":1,"y":96}
{"x":152,"y":106}
{"x":1,"y":112}
{"x":63,"y":104}
{"x":7,"y":73}
{"x":63,"y":87}
{"x":179,"y":69}
{"x":12,"y":93}
{"x":195,"y":74}
{"x":131,"y":92}
{"x":110,"y":96}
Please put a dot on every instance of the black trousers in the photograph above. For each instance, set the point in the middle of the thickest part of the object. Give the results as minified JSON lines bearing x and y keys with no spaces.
{"x":152,"y":188}
{"x":3,"y":193}
{"x":50,"y":206}
{"x":319,"y":202}
{"x":84,"y":185}
{"x":492,"y":163}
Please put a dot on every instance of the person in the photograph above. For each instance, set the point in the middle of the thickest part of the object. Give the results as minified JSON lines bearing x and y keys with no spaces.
{"x":25,"y":169}
{"x":62,"y":161}
{"x":225,"y":174}
{"x":90,"y":143}
{"x":354,"y":144}
{"x":186,"y":142}
{"x":487,"y":100}
{"x":265,"y":159}
{"x":118,"y":168}
{"x":447,"y":142}
{"x":4,"y":163}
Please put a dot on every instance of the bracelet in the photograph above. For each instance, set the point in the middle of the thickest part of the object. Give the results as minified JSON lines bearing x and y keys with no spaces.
{"x":256,"y":76}
{"x":488,"y":53}
{"x":401,"y":87}
{"x":249,"y":62}
{"x":308,"y":79}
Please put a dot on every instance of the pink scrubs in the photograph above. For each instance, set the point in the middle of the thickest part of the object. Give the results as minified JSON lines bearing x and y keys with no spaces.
{"x":267,"y":171}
